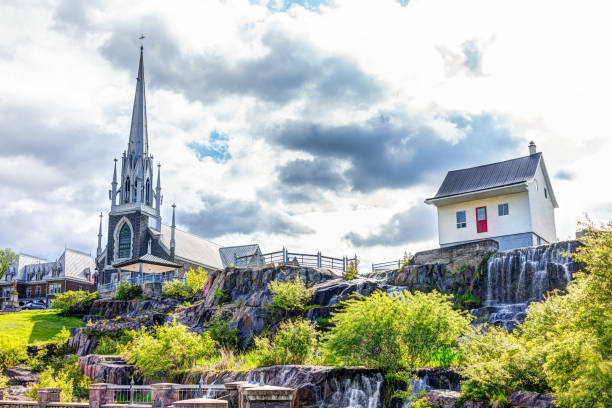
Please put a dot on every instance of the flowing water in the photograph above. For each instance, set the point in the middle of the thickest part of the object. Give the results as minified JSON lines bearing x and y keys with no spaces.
{"x":520,"y":276}
{"x":361,"y":391}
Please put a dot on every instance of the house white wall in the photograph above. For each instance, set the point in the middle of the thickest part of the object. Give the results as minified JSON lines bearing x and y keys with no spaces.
{"x":541,"y":208}
{"x":517,"y":221}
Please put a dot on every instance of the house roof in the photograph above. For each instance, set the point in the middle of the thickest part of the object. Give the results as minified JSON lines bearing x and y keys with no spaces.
{"x":191,"y":247}
{"x":228,"y":254}
{"x":489,"y":176}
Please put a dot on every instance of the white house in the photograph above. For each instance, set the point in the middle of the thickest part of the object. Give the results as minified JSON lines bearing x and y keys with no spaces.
{"x":511,"y":202}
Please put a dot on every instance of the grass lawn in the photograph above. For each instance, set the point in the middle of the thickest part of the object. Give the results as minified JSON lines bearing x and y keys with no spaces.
{"x":34,"y":326}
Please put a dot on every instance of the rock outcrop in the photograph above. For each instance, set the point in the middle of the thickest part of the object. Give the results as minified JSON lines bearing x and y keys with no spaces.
{"x":106,"y":369}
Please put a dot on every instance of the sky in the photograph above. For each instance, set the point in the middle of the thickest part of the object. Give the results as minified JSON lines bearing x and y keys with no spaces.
{"x":313,"y":125}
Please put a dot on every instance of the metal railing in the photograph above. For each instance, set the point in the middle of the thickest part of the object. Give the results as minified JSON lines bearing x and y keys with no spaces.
{"x":284,"y":257}
{"x":145,"y":278}
{"x":131,"y":394}
{"x":386,"y":266}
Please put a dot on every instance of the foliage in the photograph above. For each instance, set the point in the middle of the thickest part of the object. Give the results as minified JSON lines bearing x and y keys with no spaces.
{"x":467,"y":301}
{"x":12,"y":352}
{"x":35,"y":326}
{"x":112,"y":343}
{"x":74,"y":302}
{"x":3,"y":381}
{"x":7,"y":256}
{"x":196,"y":279}
{"x":406,"y":260}
{"x":352,"y":270}
{"x":63,"y":373}
{"x":221,"y":296}
{"x":392,"y":332}
{"x":564,"y":345}
{"x":291,"y":296}
{"x":221,"y":332}
{"x":167,"y":349}
{"x":294,"y":343}
{"x":175,"y":290}
{"x":483,"y":263}
{"x":125,"y":291}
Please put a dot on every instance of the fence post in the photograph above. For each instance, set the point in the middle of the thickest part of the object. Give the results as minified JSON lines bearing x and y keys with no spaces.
{"x":285,"y":256}
{"x":344,"y":263}
{"x":372,"y":268}
{"x":47,"y":395}
{"x":201,"y":386}
{"x":399,"y":263}
{"x":319,"y":259}
{"x":235,"y":261}
{"x":132,"y":391}
{"x":100,"y":394}
{"x":163,"y":395}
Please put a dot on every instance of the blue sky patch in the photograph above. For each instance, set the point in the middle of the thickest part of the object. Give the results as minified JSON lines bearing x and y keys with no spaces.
{"x":216,"y":148}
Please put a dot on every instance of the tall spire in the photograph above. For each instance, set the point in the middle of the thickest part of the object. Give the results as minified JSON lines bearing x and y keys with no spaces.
{"x":139,"y":138}
{"x":99,"y":250}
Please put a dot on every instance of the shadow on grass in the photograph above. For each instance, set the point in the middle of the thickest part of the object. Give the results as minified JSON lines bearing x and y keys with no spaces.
{"x":46,"y":325}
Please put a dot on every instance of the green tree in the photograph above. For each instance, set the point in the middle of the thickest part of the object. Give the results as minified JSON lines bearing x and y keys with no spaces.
{"x":7,"y":256}
{"x":167,"y":349}
{"x":74,"y":302}
{"x":291,"y":296}
{"x":393,"y":332}
{"x":294,"y":343}
{"x":196,"y":279}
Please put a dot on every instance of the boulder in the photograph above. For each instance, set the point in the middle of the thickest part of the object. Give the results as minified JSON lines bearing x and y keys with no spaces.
{"x":442,"y":398}
{"x":526,"y":399}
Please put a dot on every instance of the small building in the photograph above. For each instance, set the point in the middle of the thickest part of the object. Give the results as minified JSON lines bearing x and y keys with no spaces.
{"x":511,"y":202}
{"x":38,"y":279}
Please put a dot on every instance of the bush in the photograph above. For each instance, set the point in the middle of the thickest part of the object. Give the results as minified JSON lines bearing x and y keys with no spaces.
{"x":196,"y":279}
{"x":125,"y":291}
{"x":175,"y":290}
{"x":12,"y":352}
{"x":112,"y":343}
{"x":167,"y":349}
{"x":392,"y":332}
{"x":352,"y":270}
{"x":74,"y":302}
{"x":221,"y":332}
{"x":221,"y":296}
{"x":3,"y":381}
{"x":564,"y":345}
{"x":291,"y":296}
{"x":63,"y":373}
{"x":294,"y":343}
{"x":467,"y":301}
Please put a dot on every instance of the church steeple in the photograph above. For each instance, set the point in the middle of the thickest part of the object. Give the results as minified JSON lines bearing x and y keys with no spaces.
{"x":139,"y":138}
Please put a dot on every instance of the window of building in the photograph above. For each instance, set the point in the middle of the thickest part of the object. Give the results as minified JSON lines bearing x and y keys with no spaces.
{"x":502,"y":209}
{"x":461,"y":220}
{"x":38,"y":291}
{"x":28,"y":292}
{"x":55,"y":288}
{"x":546,"y":193}
{"x":127,"y":190}
{"x":125,"y":241}
{"x":148,"y":194}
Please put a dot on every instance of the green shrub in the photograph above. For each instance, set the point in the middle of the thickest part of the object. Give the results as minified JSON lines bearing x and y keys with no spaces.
{"x":564,"y":345}
{"x":352,"y":270}
{"x":125,"y":291}
{"x":196,"y":279}
{"x":467,"y":301}
{"x":221,"y":331}
{"x":63,"y":373}
{"x":292,"y":296}
{"x":221,"y":296}
{"x":167,"y":349}
{"x":74,"y":302}
{"x":407,"y":259}
{"x":392,"y":332}
{"x":3,"y":381}
{"x":12,"y":352}
{"x":175,"y":290}
{"x":294,"y":343}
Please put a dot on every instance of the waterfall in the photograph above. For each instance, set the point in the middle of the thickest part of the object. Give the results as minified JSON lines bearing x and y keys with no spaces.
{"x":361,"y":391}
{"x":520,"y":276}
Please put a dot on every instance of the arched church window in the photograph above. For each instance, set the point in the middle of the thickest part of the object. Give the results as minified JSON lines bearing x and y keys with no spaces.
{"x":148,"y":194}
{"x":135,"y":190}
{"x":125,"y":242}
{"x":127,"y":189}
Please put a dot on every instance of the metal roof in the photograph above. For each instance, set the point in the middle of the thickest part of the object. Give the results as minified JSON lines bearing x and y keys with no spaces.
{"x":229,"y":253}
{"x":150,"y":264}
{"x":489,"y":176}
{"x":192,"y":247}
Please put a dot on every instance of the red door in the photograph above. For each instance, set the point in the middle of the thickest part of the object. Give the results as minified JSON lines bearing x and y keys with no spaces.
{"x":481,"y":219}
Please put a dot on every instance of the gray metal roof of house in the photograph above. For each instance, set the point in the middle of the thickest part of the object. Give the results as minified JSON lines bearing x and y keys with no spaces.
{"x":192,"y":247}
{"x":489,"y":176}
{"x":228,"y":253}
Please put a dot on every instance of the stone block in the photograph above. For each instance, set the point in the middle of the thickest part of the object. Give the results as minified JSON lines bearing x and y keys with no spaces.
{"x":201,"y":403}
{"x":268,"y":396}
{"x":163,"y":395}
{"x":47,"y":395}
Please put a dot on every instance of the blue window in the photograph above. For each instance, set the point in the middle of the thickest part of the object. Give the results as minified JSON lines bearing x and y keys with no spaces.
{"x":502,"y":209}
{"x":546,"y":194}
{"x":125,"y":242}
{"x":461,"y":221}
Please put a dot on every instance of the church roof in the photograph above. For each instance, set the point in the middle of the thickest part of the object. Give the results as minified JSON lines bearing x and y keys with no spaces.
{"x":139,"y":138}
{"x":489,"y":176}
{"x":193,"y":248}
{"x":228,"y":254}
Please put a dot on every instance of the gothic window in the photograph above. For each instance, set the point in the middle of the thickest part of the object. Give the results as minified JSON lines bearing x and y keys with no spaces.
{"x":125,"y":242}
{"x":127,"y":190}
{"x":135,"y":190}
{"x":148,"y":193}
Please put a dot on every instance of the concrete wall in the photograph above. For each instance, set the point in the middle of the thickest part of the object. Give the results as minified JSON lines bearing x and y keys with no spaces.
{"x":542,"y":211}
{"x":458,"y":255}
{"x":517,"y":221}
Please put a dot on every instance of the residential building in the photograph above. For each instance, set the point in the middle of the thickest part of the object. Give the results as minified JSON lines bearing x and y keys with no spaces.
{"x":512,"y":202}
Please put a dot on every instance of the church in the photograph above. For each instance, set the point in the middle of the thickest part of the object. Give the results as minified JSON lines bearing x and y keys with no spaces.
{"x":136,"y":233}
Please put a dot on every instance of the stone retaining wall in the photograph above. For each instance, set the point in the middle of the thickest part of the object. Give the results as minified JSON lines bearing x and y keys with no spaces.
{"x":456,"y":256}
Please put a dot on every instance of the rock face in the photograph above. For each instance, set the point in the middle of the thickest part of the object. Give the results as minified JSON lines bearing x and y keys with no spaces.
{"x":106,"y":369}
{"x":20,"y":375}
